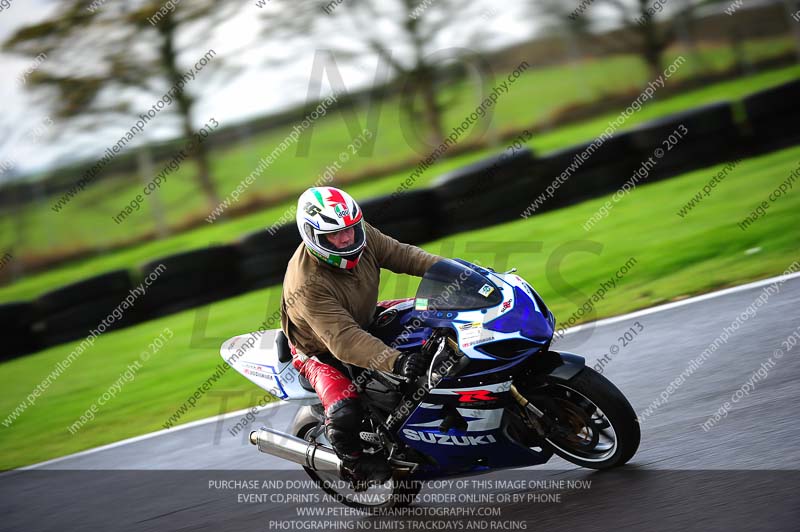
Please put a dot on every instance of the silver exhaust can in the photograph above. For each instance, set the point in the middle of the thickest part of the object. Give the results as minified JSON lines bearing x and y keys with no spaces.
{"x":288,"y":447}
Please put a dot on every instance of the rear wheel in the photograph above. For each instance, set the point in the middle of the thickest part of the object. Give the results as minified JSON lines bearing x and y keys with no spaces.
{"x":592,"y":424}
{"x":372,"y":497}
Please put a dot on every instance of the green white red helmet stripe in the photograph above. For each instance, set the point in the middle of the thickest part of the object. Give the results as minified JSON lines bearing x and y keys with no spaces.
{"x":335,"y":260}
{"x":318,"y":196}
{"x":341,"y":207}
{"x":325,"y":210}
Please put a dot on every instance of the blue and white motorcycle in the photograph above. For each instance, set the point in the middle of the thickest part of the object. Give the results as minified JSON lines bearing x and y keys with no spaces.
{"x":495,"y":396}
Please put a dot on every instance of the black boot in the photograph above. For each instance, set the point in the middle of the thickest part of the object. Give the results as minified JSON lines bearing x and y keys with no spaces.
{"x":342,"y":427}
{"x":371,"y":467}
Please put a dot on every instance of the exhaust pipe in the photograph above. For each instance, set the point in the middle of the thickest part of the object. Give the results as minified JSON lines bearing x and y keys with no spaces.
{"x":288,"y":447}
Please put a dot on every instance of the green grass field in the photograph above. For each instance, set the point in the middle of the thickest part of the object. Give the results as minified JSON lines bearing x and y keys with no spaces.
{"x":532,"y":99}
{"x":675,"y":258}
{"x":227,"y":231}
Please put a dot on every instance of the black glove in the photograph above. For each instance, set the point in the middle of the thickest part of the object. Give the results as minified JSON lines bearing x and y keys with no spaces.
{"x":411,"y":365}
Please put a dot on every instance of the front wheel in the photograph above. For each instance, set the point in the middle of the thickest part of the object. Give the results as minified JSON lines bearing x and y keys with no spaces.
{"x":591,"y":423}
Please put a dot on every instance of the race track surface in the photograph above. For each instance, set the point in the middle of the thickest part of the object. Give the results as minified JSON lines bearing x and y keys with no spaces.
{"x":739,"y":473}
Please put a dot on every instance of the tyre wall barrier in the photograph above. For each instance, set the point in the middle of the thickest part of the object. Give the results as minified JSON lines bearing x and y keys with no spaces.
{"x":581,"y":172}
{"x":477,"y":194}
{"x":189,"y":279}
{"x":493,"y":190}
{"x":15,"y":327}
{"x":263,"y":255}
{"x":690,"y":140}
{"x":773,"y":116}
{"x":409,"y":216}
{"x":70,"y":312}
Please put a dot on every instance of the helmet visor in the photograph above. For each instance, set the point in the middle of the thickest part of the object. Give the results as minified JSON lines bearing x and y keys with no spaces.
{"x":344,"y":242}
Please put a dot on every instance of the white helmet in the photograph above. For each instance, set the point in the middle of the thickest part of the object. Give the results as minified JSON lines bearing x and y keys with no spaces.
{"x":325,"y":210}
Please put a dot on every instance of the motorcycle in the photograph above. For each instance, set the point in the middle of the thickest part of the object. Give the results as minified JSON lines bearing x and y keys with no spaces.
{"x":495,"y":395}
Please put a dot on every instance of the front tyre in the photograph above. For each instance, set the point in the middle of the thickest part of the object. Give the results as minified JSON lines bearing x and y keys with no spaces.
{"x":593,"y":424}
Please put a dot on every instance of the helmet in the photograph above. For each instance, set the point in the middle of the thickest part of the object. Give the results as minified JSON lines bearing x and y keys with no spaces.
{"x":325,"y":210}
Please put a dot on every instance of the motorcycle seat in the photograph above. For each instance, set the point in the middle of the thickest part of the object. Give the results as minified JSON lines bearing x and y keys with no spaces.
{"x":284,"y":351}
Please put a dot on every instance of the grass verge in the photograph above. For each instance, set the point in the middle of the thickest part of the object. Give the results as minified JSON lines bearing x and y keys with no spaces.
{"x":675,"y":257}
{"x":227,"y":231}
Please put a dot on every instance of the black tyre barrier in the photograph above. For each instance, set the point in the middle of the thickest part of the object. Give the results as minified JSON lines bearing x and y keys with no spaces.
{"x":495,"y":205}
{"x":418,"y":204}
{"x":478,"y":194}
{"x":261,"y":271}
{"x":118,"y":281}
{"x":264,"y":241}
{"x":689,"y":140}
{"x":15,"y":329}
{"x":773,"y":116}
{"x":705,"y":122}
{"x":190,"y":279}
{"x":585,"y":171}
{"x":493,"y":190}
{"x":410,"y":231}
{"x":774,"y":101}
{"x":214,"y":257}
{"x":76,"y":322}
{"x":606,"y":150}
{"x":189,"y":290}
{"x":509,"y":201}
{"x":13,"y":312}
{"x":478,"y":176}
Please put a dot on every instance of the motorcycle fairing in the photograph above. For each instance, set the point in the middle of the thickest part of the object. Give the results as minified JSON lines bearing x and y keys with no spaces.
{"x":464,"y":429}
{"x":255,"y":356}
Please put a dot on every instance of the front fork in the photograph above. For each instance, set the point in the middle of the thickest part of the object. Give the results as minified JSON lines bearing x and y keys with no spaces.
{"x":535,"y":418}
{"x":556,"y":365}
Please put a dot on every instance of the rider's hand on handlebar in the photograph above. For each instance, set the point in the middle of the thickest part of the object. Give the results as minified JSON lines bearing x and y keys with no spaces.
{"x":411,"y":364}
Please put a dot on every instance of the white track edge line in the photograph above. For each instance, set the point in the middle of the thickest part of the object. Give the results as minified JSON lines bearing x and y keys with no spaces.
{"x":155,"y":434}
{"x":577,"y":328}
{"x":683,"y":302}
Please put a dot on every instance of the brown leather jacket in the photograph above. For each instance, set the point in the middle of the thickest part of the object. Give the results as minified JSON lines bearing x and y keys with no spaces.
{"x":325,"y":308}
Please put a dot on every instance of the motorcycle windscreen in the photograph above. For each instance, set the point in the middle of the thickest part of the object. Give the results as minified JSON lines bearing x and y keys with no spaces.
{"x":451,"y":285}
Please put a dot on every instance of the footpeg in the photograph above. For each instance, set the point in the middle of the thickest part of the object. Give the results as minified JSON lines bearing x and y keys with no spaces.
{"x":370,"y":437}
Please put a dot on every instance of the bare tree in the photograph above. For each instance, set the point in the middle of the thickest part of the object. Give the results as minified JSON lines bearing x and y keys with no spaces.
{"x":417,"y":39}
{"x":639,"y":29}
{"x":108,"y":62}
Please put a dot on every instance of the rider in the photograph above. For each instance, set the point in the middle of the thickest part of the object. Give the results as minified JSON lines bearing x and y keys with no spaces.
{"x":330,"y":293}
